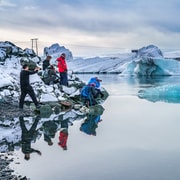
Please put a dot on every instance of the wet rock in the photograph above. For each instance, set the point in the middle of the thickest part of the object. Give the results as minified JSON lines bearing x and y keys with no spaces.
{"x":45,"y":111}
{"x":96,"y":110}
{"x":8,"y":111}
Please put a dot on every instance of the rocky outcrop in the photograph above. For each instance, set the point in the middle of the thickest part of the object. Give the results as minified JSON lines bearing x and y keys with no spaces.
{"x":10,"y":50}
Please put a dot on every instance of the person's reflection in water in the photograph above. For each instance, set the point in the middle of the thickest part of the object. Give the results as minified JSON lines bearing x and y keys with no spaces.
{"x":49,"y":129}
{"x":63,"y":135}
{"x":90,"y":124}
{"x":27,"y":137}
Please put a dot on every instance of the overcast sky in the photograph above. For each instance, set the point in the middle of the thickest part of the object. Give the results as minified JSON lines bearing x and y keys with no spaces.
{"x":92,"y":26}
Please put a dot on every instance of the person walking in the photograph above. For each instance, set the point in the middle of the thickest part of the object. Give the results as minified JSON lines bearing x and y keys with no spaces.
{"x":25,"y":86}
{"x":62,"y":68}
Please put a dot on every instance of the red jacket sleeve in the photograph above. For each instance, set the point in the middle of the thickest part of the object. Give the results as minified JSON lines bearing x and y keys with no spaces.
{"x":62,"y":66}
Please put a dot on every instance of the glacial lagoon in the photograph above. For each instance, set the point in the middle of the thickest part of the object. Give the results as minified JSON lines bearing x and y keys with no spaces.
{"x":137,"y":139}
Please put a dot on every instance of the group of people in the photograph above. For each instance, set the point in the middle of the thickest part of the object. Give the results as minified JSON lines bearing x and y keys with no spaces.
{"x":49,"y":73}
{"x":50,"y":76}
{"x":89,"y":92}
{"x":49,"y":128}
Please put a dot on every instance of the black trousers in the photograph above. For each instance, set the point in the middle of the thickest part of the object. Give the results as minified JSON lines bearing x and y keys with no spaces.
{"x":24,"y":91}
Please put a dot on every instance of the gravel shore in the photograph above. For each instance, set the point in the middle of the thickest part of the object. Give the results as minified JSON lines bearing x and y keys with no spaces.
{"x":6,"y":173}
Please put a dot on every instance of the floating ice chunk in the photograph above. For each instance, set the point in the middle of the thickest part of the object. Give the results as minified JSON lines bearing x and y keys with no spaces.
{"x":166,"y":93}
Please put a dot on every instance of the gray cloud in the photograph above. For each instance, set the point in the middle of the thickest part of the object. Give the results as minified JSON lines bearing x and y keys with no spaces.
{"x":6,"y":4}
{"x":120,"y":20}
{"x":95,"y":16}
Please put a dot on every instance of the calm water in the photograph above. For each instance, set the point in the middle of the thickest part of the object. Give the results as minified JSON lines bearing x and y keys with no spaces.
{"x":136,"y":140}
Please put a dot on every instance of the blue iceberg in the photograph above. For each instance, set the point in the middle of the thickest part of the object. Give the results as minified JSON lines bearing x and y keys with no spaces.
{"x":165,"y":93}
{"x":149,"y":61}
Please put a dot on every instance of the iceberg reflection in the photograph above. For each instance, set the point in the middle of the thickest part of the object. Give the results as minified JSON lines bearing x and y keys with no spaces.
{"x":165,"y":93}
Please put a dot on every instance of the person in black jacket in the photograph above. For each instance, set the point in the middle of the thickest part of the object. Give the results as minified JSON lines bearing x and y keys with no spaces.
{"x":25,"y":86}
{"x":46,"y":62}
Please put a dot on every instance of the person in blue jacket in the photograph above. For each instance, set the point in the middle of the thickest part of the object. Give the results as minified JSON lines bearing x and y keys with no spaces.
{"x":88,"y":94}
{"x":96,"y":81}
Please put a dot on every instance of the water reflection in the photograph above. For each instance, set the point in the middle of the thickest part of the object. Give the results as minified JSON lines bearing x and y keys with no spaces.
{"x":63,"y":133}
{"x":132,"y":149}
{"x":63,"y":136}
{"x":90,"y":124}
{"x":23,"y":132}
{"x":165,"y":93}
{"x":154,"y":80}
{"x":49,"y":129}
{"x":28,"y":135}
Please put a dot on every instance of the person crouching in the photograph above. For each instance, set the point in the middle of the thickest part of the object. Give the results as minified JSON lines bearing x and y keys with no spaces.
{"x":88,"y":95}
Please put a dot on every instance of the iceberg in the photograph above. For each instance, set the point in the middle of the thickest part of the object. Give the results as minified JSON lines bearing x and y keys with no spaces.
{"x":149,"y":61}
{"x":153,"y":67}
{"x":165,"y":93}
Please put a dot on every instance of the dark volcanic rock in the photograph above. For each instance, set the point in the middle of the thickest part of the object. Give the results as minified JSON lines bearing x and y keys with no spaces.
{"x":10,"y":111}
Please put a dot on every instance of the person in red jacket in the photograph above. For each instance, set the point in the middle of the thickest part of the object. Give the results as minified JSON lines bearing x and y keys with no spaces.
{"x":62,"y":68}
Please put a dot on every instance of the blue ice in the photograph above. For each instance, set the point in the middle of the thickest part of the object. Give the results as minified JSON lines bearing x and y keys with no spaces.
{"x":165,"y":93}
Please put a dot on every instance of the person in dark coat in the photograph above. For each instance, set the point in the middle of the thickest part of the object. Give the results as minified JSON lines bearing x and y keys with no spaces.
{"x":46,"y":62}
{"x":27,"y":137}
{"x":25,"y":86}
{"x":50,"y":76}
